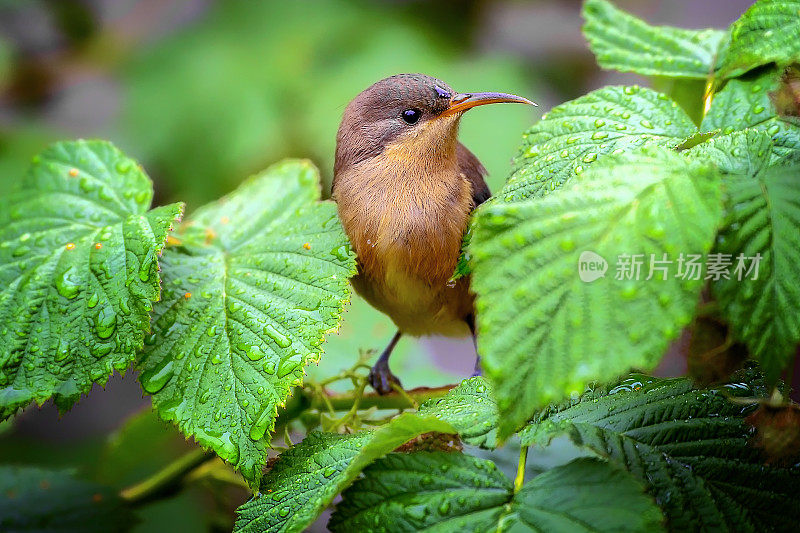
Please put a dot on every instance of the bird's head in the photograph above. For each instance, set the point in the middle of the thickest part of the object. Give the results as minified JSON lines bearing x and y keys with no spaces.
{"x":407,"y":116}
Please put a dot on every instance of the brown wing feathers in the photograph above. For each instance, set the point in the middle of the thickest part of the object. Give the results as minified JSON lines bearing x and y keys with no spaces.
{"x":474,"y":171}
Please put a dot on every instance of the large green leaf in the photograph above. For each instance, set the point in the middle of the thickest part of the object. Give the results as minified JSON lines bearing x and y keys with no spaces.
{"x":543,"y":332}
{"x":470,"y":408}
{"x":745,"y":103}
{"x":33,"y":499}
{"x":445,"y":492}
{"x":575,"y":134}
{"x":307,"y":478}
{"x":763,"y":217}
{"x":258,"y":279}
{"x":78,"y":272}
{"x":690,"y":447}
{"x":585,"y":494}
{"x":425,"y":491}
{"x":766,"y":33}
{"x":628,"y":44}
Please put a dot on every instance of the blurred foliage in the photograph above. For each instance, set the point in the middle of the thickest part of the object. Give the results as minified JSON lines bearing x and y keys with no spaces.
{"x":208,"y":102}
{"x":239,"y":90}
{"x":247,"y":83}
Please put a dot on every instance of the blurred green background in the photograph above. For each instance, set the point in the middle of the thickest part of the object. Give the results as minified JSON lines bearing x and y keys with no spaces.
{"x":204,"y":93}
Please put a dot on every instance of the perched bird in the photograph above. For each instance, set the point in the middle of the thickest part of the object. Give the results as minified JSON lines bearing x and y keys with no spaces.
{"x":405,"y":188}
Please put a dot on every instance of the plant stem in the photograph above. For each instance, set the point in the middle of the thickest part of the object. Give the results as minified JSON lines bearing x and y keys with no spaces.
{"x":344,"y":402}
{"x":520,"y":479}
{"x":166,"y":480}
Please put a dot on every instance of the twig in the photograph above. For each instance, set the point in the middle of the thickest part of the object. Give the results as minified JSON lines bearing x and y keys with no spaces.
{"x":520,"y":479}
{"x":344,"y":402}
{"x":166,"y":480}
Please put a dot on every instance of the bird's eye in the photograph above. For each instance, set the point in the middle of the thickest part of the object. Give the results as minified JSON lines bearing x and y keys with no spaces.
{"x":411,"y":116}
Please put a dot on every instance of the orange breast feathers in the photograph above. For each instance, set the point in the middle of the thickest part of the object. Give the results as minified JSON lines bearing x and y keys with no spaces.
{"x":403,"y":215}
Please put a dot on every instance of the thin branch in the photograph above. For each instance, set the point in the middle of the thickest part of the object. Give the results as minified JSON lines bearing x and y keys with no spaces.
{"x":167,"y":480}
{"x":520,"y":479}
{"x":393,"y":400}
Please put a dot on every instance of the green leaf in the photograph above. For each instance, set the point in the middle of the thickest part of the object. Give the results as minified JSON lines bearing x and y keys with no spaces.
{"x":688,"y":93}
{"x":78,"y":272}
{"x":763,"y":217}
{"x":454,"y":492}
{"x":745,"y":103}
{"x":690,"y":447}
{"x":33,"y":499}
{"x":425,"y":491}
{"x":766,"y":33}
{"x":470,"y":408}
{"x":543,"y":332}
{"x":628,"y":44}
{"x":585,"y":494}
{"x":573,"y":135}
{"x":257,"y":281}
{"x":307,"y":478}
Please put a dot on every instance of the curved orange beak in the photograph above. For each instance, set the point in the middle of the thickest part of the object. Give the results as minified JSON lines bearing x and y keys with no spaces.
{"x":463,"y":101}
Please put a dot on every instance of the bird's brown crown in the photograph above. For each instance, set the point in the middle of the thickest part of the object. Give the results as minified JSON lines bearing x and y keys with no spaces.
{"x":385,"y":110}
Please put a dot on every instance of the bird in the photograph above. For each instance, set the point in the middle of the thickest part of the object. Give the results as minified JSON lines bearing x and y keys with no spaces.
{"x":405,"y":188}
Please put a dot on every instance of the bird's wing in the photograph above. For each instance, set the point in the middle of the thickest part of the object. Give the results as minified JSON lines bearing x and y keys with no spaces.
{"x":473,"y":170}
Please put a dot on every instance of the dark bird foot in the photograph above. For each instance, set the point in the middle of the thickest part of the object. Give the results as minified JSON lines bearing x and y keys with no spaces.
{"x":381,"y":378}
{"x":477,"y":371}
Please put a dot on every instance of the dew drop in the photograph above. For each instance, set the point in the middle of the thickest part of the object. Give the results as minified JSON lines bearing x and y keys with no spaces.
{"x":259,"y":427}
{"x":156,"y":379}
{"x":63,"y":350}
{"x":254,"y":353}
{"x":341,"y":253}
{"x":20,"y":251}
{"x":92,"y":301}
{"x":280,"y":339}
{"x":286,"y":367}
{"x":105,"y":322}
{"x":86,"y":185}
{"x":147,"y":265}
{"x":68,"y":283}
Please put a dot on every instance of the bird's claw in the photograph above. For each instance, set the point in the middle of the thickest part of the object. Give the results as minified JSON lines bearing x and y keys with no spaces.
{"x":478,"y":371}
{"x":381,"y":379}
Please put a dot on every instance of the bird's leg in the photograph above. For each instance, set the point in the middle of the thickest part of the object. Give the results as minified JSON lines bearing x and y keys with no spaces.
{"x":471,"y":323}
{"x":380,"y":377}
